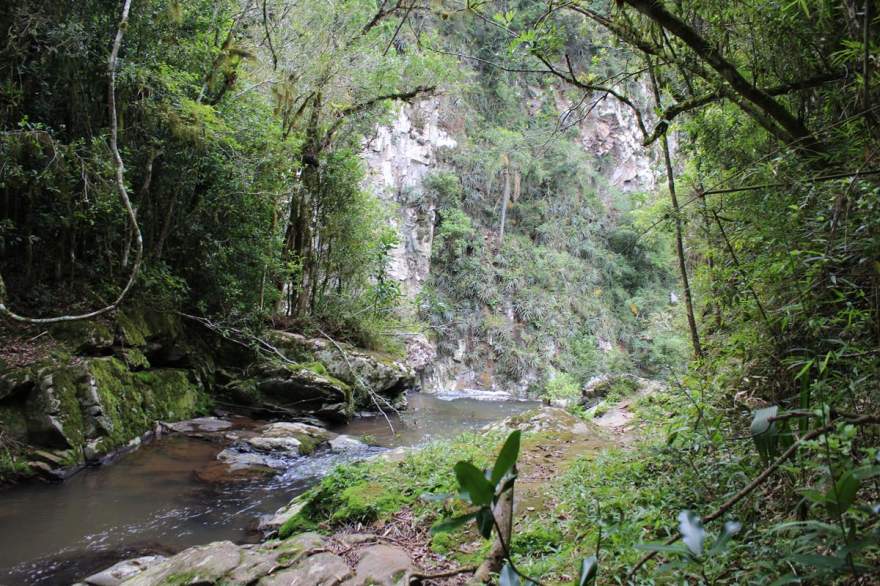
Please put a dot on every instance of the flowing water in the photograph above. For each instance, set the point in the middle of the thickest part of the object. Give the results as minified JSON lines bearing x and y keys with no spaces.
{"x":152,"y":500}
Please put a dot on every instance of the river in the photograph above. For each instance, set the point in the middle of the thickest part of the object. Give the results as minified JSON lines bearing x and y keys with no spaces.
{"x":153,"y":501}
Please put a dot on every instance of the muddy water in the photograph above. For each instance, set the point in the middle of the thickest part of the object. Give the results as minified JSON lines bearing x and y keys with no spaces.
{"x":151,"y":501}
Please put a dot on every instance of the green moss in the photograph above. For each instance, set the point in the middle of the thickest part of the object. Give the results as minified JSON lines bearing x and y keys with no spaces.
{"x":133,"y":327}
{"x":65,"y":390}
{"x":12,"y":466}
{"x":376,"y":489}
{"x":82,"y":333}
{"x":181,"y":579}
{"x":134,"y":358}
{"x":368,"y":501}
{"x":133,"y":401}
{"x":299,"y":523}
{"x":315,"y":366}
{"x":308,"y":444}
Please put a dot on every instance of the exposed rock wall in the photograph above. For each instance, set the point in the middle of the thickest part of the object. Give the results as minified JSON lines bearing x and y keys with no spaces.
{"x":399,"y":157}
{"x":100,"y":390}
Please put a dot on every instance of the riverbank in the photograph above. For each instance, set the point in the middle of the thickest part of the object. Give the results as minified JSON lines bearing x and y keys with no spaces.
{"x":368,"y":522}
{"x":82,"y":393}
{"x":174,"y":493}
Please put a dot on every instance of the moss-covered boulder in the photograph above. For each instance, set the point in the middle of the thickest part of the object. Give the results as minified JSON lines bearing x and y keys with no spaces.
{"x":302,"y":389}
{"x":86,"y":408}
{"x":363,"y":370}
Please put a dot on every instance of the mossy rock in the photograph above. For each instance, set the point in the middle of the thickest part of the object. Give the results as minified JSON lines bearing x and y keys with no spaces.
{"x":83,"y":336}
{"x":132,"y":401}
{"x":138,"y":325}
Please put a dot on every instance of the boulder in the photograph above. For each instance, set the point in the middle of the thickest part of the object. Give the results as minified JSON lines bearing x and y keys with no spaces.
{"x":286,"y":445}
{"x":272,"y":523}
{"x":381,"y":373}
{"x":199,"y":425}
{"x":301,"y":390}
{"x":346,"y":443}
{"x":381,"y":565}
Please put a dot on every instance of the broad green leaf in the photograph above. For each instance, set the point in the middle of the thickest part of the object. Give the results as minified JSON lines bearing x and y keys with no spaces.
{"x":819,"y":561}
{"x":842,"y":495}
{"x":453,"y":523}
{"x":474,"y":486}
{"x":506,"y":459}
{"x":866,"y":472}
{"x":692,"y":533}
{"x":589,"y":570}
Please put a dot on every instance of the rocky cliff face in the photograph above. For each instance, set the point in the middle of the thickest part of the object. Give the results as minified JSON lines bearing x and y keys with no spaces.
{"x":609,"y":131}
{"x":399,"y":157}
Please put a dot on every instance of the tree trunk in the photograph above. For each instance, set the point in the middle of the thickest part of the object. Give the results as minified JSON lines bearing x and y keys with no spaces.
{"x":505,"y":199}
{"x":679,"y":239}
{"x":493,"y":563}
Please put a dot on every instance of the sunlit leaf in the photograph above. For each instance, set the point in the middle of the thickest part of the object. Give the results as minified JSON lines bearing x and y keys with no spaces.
{"x":506,"y":459}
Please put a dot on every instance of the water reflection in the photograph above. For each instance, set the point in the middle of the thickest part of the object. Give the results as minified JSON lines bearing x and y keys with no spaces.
{"x":154,"y":501}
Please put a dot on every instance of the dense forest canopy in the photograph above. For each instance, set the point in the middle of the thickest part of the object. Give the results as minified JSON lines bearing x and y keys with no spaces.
{"x":213,"y":153}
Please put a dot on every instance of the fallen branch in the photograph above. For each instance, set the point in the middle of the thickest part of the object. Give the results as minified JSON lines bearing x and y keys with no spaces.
{"x":123,"y":193}
{"x":360,"y":381}
{"x":417,"y":578}
{"x":760,"y":478}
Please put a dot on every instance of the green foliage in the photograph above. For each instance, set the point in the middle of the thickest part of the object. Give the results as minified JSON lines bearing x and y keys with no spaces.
{"x":560,"y":279}
{"x":562,"y":386}
{"x":484,"y":489}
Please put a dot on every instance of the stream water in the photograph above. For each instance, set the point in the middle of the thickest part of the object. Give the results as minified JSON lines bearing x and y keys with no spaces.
{"x":152,"y":500}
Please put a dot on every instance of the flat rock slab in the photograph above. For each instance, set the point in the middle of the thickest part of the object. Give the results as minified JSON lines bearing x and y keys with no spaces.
{"x":119,"y":573}
{"x":292,"y":429}
{"x":302,"y":560}
{"x":321,"y":569}
{"x":546,"y":419}
{"x":196,"y":565}
{"x":200,"y":425}
{"x":381,"y":565}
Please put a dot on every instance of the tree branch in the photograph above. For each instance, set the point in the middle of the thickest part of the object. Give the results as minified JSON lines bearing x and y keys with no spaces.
{"x":699,"y":101}
{"x":573,"y":80}
{"x":793,"y":129}
{"x":406,"y":96}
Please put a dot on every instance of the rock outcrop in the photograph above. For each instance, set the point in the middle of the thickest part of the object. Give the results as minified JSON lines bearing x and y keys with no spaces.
{"x":100,"y":391}
{"x":105,"y":385}
{"x":303,"y":560}
{"x":369,"y":375}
